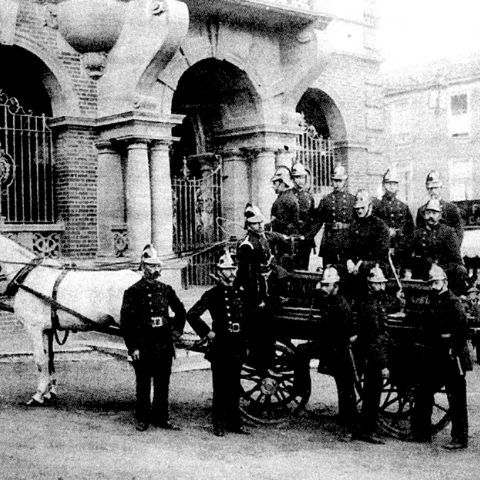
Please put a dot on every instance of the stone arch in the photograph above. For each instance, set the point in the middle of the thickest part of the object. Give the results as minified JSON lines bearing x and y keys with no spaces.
{"x":323,"y":112}
{"x":169,"y":77}
{"x":57,"y":83}
{"x":215,"y":96}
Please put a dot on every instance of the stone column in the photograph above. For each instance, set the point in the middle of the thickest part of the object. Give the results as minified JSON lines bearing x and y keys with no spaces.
{"x":162,"y":208}
{"x":284,"y":158}
{"x":110,"y":196}
{"x":137,"y":190}
{"x":263,"y":169}
{"x":236,"y":192}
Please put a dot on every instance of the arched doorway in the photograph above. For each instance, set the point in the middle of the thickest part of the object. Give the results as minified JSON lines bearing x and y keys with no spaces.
{"x":27,"y":197}
{"x":323,"y":127}
{"x":214,"y":96}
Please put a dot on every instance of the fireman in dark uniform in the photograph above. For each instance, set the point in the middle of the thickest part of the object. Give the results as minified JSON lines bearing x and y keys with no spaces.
{"x":331,"y":346}
{"x":450,"y":212}
{"x":372,"y":348}
{"x":227,"y":344}
{"x":285,"y":209}
{"x":436,"y":242}
{"x":444,"y":361}
{"x":335,"y":212}
{"x":149,"y":335}
{"x":306,"y":204}
{"x":258,"y":274}
{"x":369,"y":242}
{"x":396,"y":215}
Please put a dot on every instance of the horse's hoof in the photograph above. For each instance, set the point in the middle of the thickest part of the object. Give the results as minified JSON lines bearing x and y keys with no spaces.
{"x":52,"y":398}
{"x":34,"y":403}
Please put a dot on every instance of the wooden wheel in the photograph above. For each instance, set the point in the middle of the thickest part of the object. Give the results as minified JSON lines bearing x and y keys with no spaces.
{"x":272,"y":398}
{"x":395,"y":409}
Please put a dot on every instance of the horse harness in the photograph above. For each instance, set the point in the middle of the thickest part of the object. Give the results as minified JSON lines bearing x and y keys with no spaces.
{"x":17,"y":283}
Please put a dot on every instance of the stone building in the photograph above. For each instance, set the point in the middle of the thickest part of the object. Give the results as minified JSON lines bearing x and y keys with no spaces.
{"x":433,"y":122}
{"x":157,"y":120}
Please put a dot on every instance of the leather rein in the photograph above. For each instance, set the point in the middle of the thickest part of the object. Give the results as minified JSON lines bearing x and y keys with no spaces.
{"x":17,"y":283}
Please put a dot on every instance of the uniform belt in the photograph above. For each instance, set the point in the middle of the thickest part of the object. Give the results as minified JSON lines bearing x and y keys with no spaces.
{"x":339,"y":226}
{"x":233,"y":327}
{"x":158,"y":322}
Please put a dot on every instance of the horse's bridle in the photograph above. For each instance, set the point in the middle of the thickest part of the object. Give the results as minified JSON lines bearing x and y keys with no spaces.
{"x":21,"y":275}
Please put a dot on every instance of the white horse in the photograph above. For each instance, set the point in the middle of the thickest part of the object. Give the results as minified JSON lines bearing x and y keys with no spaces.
{"x":95,"y":295}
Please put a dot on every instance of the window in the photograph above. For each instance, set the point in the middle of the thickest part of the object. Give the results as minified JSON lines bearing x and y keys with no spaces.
{"x":459,"y":115}
{"x":401,"y":120}
{"x":461,"y":183}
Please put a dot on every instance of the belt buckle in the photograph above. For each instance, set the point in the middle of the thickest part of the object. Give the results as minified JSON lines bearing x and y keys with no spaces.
{"x":234,"y":327}
{"x":157,"y":322}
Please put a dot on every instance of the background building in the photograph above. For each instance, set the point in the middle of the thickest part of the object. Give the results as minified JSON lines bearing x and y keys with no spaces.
{"x":130,"y":121}
{"x":433,"y":122}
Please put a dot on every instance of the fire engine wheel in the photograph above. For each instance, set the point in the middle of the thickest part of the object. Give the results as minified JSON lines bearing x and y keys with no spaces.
{"x":396,"y":407}
{"x":272,"y":398}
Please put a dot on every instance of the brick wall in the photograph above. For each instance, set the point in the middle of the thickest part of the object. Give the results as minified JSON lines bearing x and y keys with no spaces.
{"x":76,"y":190}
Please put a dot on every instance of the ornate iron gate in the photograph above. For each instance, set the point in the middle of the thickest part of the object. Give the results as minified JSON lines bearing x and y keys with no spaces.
{"x":317,"y":155}
{"x":26,"y":165}
{"x":197,"y":204}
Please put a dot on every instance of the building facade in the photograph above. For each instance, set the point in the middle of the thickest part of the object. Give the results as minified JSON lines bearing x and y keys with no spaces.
{"x":433,"y":122}
{"x":134,"y":121}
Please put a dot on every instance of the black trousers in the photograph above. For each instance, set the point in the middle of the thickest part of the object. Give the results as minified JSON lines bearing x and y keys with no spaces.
{"x":371,"y":395}
{"x":301,"y":257}
{"x":261,"y":339}
{"x":338,"y":364}
{"x":155,"y":364}
{"x":424,"y":397}
{"x":226,"y":367}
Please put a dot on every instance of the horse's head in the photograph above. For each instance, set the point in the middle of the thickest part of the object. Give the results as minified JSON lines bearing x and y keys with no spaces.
{"x":13,"y":257}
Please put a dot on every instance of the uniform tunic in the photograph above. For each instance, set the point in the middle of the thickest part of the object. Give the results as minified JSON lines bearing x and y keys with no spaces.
{"x":397,"y":216}
{"x":443,"y":361}
{"x":285,"y":213}
{"x":369,"y":241}
{"x":335,"y":211}
{"x":227,"y":350}
{"x":372,"y":352}
{"x":450,"y":216}
{"x":144,"y":302}
{"x":256,"y":276}
{"x":306,"y":205}
{"x":331,"y":344}
{"x":438,"y":245}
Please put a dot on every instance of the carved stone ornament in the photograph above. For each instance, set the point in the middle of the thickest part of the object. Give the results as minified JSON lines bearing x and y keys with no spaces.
{"x":158,"y":7}
{"x":51,"y":19}
{"x":7,"y":170}
{"x":91,"y":25}
{"x":94,"y":63}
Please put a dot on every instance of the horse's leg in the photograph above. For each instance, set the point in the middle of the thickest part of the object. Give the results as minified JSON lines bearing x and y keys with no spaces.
{"x":51,"y":394}
{"x":41,"y":361}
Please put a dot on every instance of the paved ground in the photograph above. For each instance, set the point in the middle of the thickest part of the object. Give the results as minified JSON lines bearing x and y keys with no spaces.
{"x":89,"y":434}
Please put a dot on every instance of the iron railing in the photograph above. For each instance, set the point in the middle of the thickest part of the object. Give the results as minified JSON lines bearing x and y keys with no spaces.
{"x":197,"y":203}
{"x":26,"y":165}
{"x":318,"y":157}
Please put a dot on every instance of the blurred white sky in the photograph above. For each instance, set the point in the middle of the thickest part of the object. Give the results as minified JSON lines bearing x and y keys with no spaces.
{"x":416,"y":31}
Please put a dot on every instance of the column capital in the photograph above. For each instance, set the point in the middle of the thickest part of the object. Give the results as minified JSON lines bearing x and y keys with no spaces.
{"x":105,"y":146}
{"x":162,"y":144}
{"x":233,"y":154}
{"x":137,"y":143}
{"x":251,"y":152}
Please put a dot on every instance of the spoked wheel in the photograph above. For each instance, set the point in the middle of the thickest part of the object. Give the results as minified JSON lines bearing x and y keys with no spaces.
{"x":396,"y":407}
{"x":272,"y":398}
